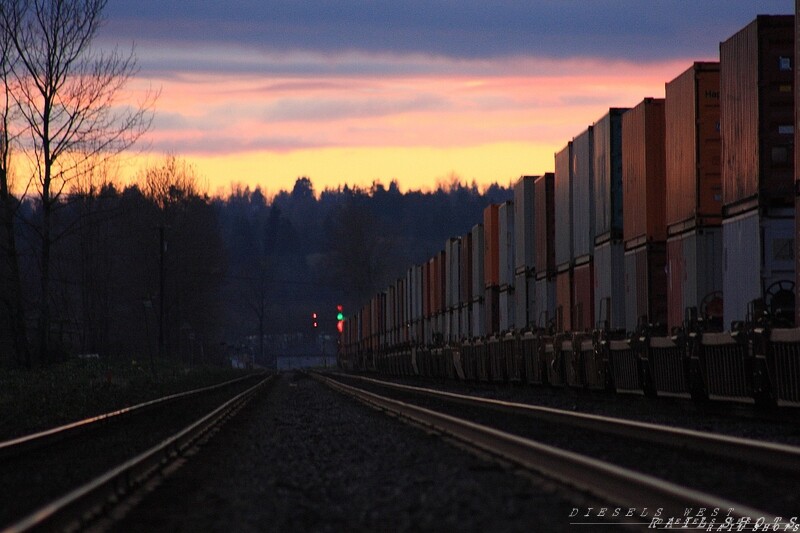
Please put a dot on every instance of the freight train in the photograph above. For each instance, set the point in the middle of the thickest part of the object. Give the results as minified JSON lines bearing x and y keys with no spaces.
{"x":658,"y":257}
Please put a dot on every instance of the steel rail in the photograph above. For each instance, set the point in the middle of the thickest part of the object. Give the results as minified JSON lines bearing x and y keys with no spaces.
{"x":769,"y":454}
{"x":85,"y":501}
{"x":603,"y":480}
{"x":35,"y":439}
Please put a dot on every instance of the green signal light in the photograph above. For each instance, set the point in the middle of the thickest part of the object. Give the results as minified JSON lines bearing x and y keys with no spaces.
{"x":340,"y":316}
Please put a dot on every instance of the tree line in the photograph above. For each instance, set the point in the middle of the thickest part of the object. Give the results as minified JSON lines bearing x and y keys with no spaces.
{"x":158,"y":267}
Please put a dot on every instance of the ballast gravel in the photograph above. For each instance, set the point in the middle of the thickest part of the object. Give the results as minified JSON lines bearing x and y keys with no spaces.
{"x":302,"y":457}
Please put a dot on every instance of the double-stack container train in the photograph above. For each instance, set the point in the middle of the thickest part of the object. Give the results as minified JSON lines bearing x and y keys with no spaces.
{"x":658,"y":257}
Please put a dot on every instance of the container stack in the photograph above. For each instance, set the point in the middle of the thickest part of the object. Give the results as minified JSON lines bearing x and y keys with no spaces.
{"x":452,"y":320}
{"x":644,"y":228}
{"x":563,"y":237}
{"x":524,"y":253}
{"x":582,"y":227}
{"x":465,"y":278}
{"x":609,"y":252}
{"x":693,"y":194}
{"x":491,"y":267}
{"x":477,"y":303}
{"x":505,"y":215}
{"x":545,"y":258}
{"x":415,"y":301}
{"x":757,"y":134}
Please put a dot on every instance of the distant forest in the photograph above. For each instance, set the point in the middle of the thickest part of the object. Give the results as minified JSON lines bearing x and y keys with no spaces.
{"x":161,"y":268}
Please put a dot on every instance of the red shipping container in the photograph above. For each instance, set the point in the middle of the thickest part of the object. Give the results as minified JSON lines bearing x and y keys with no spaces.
{"x":564,"y":301}
{"x":583,"y":297}
{"x":643,"y":173}
{"x":491,"y":245}
{"x":544,"y":226}
{"x":757,"y":115}
{"x":693,"y":183}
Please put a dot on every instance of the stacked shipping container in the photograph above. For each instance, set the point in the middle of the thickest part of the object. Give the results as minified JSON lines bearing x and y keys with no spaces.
{"x":693,"y":194}
{"x":563,"y":237}
{"x":505,"y":214}
{"x":757,"y":129}
{"x":524,"y":254}
{"x":582,"y":228}
{"x":478,"y":303}
{"x":609,"y":289}
{"x":644,"y":228}
{"x":491,"y":268}
{"x":544,"y":258}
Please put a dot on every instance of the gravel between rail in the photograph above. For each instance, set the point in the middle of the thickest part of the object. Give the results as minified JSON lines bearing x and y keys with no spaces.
{"x":304,"y":458}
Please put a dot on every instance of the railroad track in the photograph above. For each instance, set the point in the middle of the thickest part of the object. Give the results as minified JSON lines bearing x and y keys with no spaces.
{"x":84,"y":504}
{"x":615,"y":485}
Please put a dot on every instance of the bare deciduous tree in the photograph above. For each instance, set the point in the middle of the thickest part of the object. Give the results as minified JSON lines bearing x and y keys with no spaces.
{"x":68,"y":97}
{"x":10,"y":278}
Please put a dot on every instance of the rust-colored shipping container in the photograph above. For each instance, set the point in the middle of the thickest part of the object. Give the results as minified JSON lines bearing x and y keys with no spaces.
{"x":562,"y":195}
{"x":491,"y":245}
{"x":564,"y":301}
{"x":691,"y":115}
{"x":544,"y":229}
{"x":757,"y":115}
{"x":466,"y":269}
{"x":643,"y":173}
{"x":583,"y":297}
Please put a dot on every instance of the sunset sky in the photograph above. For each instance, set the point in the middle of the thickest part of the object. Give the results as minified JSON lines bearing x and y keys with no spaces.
{"x":260,"y":92}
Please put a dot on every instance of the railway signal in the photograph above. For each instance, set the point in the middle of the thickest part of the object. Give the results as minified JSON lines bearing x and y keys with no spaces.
{"x":314,"y":320}
{"x":339,"y":318}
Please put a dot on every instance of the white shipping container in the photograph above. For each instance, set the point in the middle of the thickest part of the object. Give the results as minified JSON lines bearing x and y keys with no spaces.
{"x":609,"y":284}
{"x":507,"y":308}
{"x":758,"y":254}
{"x":544,"y":302}
{"x":477,"y":260}
{"x":452,"y":272}
{"x":465,"y":328}
{"x":524,"y":292}
{"x":524,"y":220}
{"x":583,"y":198}
{"x":694,"y":263}
{"x":506,"y":251}
{"x":562,"y":198}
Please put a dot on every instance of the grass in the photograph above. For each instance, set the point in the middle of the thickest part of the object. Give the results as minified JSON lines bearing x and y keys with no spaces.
{"x":33,"y":400}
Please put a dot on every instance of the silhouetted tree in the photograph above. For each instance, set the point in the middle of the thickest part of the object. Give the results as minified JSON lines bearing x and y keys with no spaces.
{"x":66,"y":96}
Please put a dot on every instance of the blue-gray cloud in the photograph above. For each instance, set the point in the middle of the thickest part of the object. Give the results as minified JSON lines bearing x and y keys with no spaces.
{"x":461,"y":29}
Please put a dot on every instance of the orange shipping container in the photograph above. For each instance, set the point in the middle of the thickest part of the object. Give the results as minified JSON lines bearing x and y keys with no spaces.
{"x":691,"y":112}
{"x":643,"y":173}
{"x":757,"y":114}
{"x":491,"y":245}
